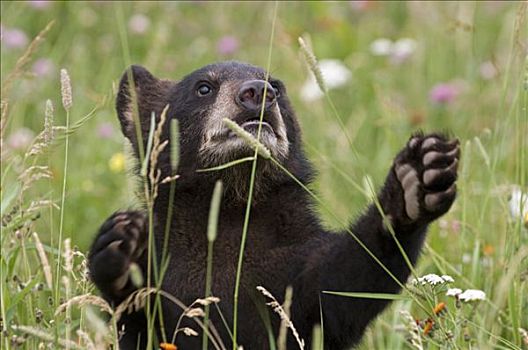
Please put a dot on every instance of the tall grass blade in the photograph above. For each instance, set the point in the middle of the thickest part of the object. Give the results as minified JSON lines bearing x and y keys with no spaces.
{"x":250,"y":192}
{"x":212,"y":227}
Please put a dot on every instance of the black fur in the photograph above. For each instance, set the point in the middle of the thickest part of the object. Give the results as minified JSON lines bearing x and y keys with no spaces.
{"x":286,"y":243}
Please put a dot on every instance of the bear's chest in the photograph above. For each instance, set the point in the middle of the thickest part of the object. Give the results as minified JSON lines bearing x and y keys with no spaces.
{"x":187,"y":272}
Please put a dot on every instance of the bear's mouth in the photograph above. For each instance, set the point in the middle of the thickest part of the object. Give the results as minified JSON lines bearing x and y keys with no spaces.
{"x":251,"y":123}
{"x":222,"y":144}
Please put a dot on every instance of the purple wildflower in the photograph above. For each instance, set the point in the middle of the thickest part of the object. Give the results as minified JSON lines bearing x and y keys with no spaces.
{"x":20,"y":139}
{"x":227,"y":45}
{"x":43,"y":67}
{"x":39,"y":4}
{"x":105,"y":130}
{"x":443,"y":93}
{"x":14,"y":38}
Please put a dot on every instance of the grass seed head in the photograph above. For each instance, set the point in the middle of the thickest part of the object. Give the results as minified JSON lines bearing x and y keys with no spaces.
{"x":312,"y":63}
{"x":66,"y":89}
{"x":246,"y":136}
{"x":46,"y":268}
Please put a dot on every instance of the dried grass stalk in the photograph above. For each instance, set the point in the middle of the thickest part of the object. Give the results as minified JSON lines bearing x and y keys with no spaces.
{"x":278,"y":309}
{"x":24,"y":59}
{"x":86,"y":299}
{"x":46,"y":268}
{"x":44,"y":203}
{"x":39,"y":333}
{"x":157,"y":147}
{"x":413,"y":332}
{"x":88,"y":343}
{"x":134,"y":302}
{"x":195,"y":312}
{"x":189,"y":332}
{"x":33,"y":174}
{"x":3,"y":122}
{"x":207,"y":301}
{"x":283,"y":329}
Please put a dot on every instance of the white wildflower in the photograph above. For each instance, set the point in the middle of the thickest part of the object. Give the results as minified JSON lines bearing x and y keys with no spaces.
{"x":519,"y":205}
{"x":488,"y":70}
{"x":453,"y":292}
{"x":432,"y":279}
{"x":335,"y":75}
{"x":470,"y":295}
{"x":403,"y":49}
{"x":398,"y":51}
{"x":381,"y":47}
{"x":139,"y":24}
{"x":524,"y":335}
{"x":448,"y":279}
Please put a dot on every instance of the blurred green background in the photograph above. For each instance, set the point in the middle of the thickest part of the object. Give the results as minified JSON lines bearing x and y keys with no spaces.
{"x":401,"y":66}
{"x":464,"y":45}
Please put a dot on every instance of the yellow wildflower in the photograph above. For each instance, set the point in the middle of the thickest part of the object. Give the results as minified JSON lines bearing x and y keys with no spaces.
{"x":117,"y":162}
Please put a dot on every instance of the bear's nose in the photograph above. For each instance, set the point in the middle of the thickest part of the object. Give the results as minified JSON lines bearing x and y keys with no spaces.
{"x":251,"y":93}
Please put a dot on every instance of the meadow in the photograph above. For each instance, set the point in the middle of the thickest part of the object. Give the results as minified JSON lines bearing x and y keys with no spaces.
{"x":391,"y":68}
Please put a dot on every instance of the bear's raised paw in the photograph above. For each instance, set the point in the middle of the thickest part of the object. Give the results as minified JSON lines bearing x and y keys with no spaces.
{"x":122,"y":239}
{"x":427,"y":171}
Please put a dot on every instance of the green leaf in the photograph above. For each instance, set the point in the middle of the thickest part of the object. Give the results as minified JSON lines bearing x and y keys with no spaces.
{"x":8,"y":198}
{"x":19,"y":297}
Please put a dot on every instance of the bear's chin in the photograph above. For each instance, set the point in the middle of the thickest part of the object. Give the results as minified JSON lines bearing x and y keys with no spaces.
{"x":232,"y":147}
{"x":236,"y":177}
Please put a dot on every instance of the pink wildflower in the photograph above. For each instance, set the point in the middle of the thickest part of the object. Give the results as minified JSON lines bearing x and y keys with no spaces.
{"x":105,"y":130}
{"x":443,"y":93}
{"x":20,"y":139}
{"x":139,"y":24}
{"x":43,"y":67}
{"x":39,"y":4}
{"x":227,"y":45}
{"x":14,"y":38}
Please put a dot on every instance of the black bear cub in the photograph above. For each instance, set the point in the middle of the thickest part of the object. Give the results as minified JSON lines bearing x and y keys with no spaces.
{"x":286,"y":243}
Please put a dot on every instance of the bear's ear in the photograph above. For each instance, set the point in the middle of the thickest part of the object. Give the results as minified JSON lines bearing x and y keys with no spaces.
{"x":140,"y":94}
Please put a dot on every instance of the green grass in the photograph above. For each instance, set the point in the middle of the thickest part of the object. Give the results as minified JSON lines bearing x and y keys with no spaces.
{"x":477,"y":242}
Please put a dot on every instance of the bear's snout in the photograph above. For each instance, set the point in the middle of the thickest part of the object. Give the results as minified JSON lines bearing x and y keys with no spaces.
{"x":250,"y":95}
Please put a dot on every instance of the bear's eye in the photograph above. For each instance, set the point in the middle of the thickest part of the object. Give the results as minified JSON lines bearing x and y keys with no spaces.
{"x":276,"y":88}
{"x":204,"y":89}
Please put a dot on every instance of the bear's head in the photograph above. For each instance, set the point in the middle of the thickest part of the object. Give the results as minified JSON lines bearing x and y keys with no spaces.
{"x":200,"y":101}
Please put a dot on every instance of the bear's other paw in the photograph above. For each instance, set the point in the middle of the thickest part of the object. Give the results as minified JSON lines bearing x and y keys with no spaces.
{"x":426,"y":170}
{"x":122,"y":239}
